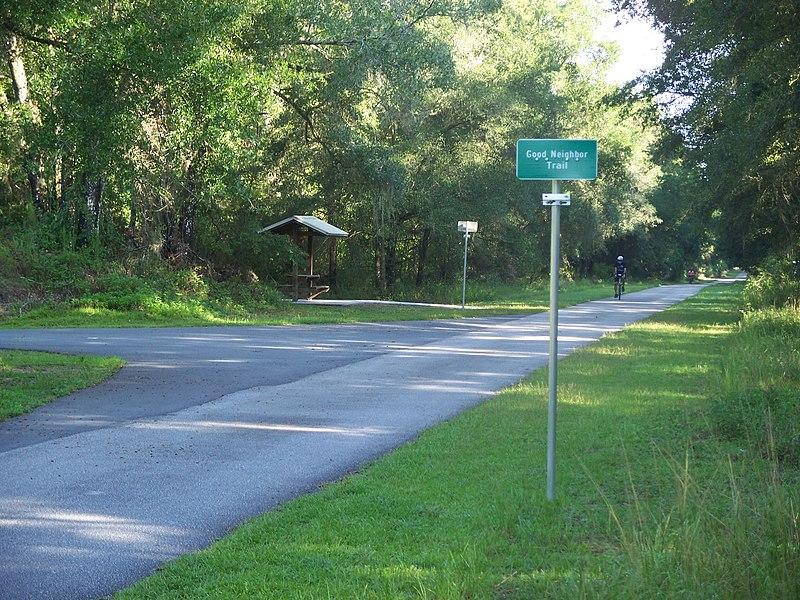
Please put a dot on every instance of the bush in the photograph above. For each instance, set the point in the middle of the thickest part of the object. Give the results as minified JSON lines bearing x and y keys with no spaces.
{"x":247,"y":294}
{"x":775,"y":284}
{"x":61,"y":274}
{"x":186,"y":283}
{"x":118,"y":283}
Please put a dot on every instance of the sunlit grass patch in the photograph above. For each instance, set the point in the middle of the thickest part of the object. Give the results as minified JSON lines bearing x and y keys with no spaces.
{"x":611,"y":350}
{"x":152,"y":310}
{"x":30,"y":379}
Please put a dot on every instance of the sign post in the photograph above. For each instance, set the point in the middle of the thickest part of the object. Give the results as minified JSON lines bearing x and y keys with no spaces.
{"x":467,"y":227}
{"x":554,"y":160}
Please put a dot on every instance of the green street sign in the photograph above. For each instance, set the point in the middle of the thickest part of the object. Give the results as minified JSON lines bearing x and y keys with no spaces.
{"x":557,"y":159}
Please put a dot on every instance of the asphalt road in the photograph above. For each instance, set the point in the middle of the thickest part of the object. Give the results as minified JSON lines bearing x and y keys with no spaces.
{"x":206,"y":427}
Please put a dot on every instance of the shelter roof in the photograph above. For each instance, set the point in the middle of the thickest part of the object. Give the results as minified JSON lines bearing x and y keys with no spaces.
{"x":315,"y":226}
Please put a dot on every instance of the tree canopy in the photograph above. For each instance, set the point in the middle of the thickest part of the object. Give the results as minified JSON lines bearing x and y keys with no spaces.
{"x":731,"y":85}
{"x":178,"y":128}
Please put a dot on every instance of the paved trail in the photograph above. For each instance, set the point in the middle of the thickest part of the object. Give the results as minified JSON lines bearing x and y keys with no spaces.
{"x":206,"y":427}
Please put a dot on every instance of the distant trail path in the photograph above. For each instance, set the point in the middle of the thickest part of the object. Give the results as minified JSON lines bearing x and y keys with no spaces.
{"x":206,"y":427}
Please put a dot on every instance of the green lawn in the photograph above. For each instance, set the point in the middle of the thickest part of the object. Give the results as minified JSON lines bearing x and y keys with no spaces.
{"x":651,"y":501}
{"x":187,"y":311}
{"x":30,"y":379}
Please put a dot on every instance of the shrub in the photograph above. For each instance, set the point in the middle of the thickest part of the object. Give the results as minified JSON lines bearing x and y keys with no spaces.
{"x":118,"y":283}
{"x":258,"y":294}
{"x":188,"y":282}
{"x":39,"y":267}
{"x":776,"y":284}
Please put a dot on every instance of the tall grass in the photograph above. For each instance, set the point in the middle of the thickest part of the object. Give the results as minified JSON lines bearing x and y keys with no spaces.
{"x":733,"y":533}
{"x":759,"y":390}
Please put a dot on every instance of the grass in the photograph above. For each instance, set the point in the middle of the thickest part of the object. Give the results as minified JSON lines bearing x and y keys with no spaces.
{"x":652,"y":502}
{"x":30,"y":379}
{"x":189,"y":311}
{"x":758,"y":401}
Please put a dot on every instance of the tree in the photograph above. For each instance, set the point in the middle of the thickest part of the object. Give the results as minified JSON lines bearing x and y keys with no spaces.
{"x":731,"y":75}
{"x":174,"y":128}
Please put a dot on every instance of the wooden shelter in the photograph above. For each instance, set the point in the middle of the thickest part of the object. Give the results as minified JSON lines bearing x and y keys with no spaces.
{"x":303,"y":229}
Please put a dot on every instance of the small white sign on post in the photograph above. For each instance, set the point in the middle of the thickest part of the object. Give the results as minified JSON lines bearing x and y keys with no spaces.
{"x":466,"y":227}
{"x":552,"y":199}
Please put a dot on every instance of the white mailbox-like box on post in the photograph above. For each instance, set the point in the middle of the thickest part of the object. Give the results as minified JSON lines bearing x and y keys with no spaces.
{"x":467,"y":226}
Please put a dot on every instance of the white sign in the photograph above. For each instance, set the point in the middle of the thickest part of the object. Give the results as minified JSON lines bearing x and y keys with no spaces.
{"x":560,"y":199}
{"x":468,"y":226}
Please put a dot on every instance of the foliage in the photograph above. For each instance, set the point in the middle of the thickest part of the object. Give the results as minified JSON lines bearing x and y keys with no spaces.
{"x":775,"y":284}
{"x":683,"y":237}
{"x":730,"y":85}
{"x":177,"y":128}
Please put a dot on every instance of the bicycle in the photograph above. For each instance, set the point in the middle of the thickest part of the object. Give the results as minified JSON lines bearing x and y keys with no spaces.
{"x":619,"y":286}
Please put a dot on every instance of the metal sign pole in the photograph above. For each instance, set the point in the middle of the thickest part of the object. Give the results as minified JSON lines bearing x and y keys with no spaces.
{"x":464,"y":280}
{"x":555,"y":249}
{"x":554,"y":161}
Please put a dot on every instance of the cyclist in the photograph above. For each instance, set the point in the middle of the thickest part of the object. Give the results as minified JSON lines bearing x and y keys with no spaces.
{"x":620,"y":270}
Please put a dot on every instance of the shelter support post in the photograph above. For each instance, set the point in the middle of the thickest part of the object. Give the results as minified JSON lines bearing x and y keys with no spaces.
{"x":296,"y":271}
{"x":310,"y":253}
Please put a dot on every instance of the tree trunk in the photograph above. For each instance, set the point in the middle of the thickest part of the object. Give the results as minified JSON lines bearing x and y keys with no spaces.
{"x":65,"y":176}
{"x":87,"y":213}
{"x":19,"y":78}
{"x":58,"y":185}
{"x":330,"y":214}
{"x":133,"y":217}
{"x":94,"y":192}
{"x":187,"y":221}
{"x":422,"y":255}
{"x":188,"y":199}
{"x":19,"y":83}
{"x":168,"y":239}
{"x":380,"y":271}
{"x":381,"y":211}
{"x":391,"y":261}
{"x":35,"y":187}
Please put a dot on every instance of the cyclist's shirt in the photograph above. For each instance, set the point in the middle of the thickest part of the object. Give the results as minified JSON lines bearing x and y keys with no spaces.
{"x":619,"y":268}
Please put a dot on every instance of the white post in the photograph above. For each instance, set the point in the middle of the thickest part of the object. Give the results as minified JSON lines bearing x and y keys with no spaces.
{"x":555,"y":239}
{"x":464,"y":280}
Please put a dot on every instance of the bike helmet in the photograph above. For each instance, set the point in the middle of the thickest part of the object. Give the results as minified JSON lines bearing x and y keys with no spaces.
{"x":619,"y":258}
